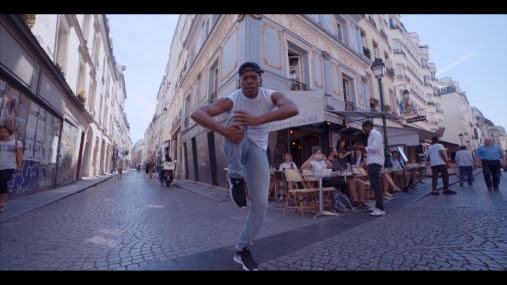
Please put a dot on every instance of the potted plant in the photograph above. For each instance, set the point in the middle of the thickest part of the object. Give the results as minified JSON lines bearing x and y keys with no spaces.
{"x":29,"y":19}
{"x":81,"y":96}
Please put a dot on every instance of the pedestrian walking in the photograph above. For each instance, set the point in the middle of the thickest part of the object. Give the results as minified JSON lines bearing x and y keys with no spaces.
{"x":490,"y":156}
{"x":249,"y":113}
{"x":465,"y":161}
{"x":11,"y":160}
{"x":438,"y":162}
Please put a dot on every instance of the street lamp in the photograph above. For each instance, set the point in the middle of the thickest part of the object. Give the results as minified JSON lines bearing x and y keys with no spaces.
{"x":461,"y":138}
{"x":406,"y":94}
{"x":378,"y":70}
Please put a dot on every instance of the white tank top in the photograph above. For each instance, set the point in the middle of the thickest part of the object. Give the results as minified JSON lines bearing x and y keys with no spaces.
{"x":255,"y":106}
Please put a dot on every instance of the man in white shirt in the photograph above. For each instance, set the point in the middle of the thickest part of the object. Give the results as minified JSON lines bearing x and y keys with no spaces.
{"x":250,"y":110}
{"x":374,"y":163}
{"x":438,"y":163}
{"x":465,"y":161}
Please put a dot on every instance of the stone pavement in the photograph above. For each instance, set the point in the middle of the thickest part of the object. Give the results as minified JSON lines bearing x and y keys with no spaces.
{"x":416,"y":234}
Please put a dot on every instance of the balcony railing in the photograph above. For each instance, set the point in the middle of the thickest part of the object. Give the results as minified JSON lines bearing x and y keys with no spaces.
{"x":349,"y":106}
{"x":401,"y":76}
{"x":296,"y":85}
{"x":366,"y":52}
{"x":372,"y":21}
{"x":399,"y":50}
{"x":390,"y":72}
{"x":383,"y":34}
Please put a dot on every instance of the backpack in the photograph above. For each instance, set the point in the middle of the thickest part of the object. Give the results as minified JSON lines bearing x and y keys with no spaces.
{"x":341,"y":203}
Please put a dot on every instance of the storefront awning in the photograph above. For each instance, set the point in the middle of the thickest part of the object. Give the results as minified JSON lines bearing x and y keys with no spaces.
{"x":402,"y":136}
{"x":310,"y":105}
{"x":424,"y":135}
{"x":407,"y":135}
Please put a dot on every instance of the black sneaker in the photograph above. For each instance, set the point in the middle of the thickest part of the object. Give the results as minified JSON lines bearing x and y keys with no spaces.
{"x":244,"y":258}
{"x":238,"y":192}
{"x":461,"y":184}
{"x":496,"y":189}
{"x":449,"y":192}
{"x":435,"y":193}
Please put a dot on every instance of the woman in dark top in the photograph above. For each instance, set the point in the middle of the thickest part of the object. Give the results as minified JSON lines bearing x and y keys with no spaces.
{"x":344,"y":153}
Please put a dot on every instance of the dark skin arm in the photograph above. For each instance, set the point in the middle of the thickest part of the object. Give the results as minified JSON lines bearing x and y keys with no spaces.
{"x":235,"y":133}
{"x":204,"y":117}
{"x":286,"y":109}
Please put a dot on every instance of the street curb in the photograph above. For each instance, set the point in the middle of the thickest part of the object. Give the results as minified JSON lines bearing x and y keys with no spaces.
{"x":181,"y":184}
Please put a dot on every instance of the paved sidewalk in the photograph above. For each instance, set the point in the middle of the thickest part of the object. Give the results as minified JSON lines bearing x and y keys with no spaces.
{"x":20,"y":206}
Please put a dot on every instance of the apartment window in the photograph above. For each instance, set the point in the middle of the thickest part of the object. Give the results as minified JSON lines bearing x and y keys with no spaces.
{"x":91,"y":97}
{"x":81,"y":77}
{"x":347,"y":93}
{"x":86,"y":26}
{"x":187,"y":110}
{"x":213,"y":82}
{"x":339,"y":29}
{"x":296,"y":57}
{"x":376,"y":53}
{"x":106,"y":115}
{"x":63,"y":39}
{"x":96,"y":50}
{"x":100,"y":110}
{"x":295,"y":71}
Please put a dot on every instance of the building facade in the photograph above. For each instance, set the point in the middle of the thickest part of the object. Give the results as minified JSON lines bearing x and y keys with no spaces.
{"x":64,"y":94}
{"x":460,"y":121}
{"x":321,"y":62}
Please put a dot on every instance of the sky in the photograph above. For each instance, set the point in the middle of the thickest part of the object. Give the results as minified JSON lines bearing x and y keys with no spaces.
{"x":142,"y":43}
{"x":471,"y":49}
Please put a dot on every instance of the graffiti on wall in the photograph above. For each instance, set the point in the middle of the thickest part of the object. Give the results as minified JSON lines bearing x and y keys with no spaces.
{"x":68,"y":155}
{"x":39,"y":131}
{"x":31,"y":176}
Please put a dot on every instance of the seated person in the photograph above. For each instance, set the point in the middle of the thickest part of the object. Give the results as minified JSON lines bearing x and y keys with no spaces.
{"x":335,"y":160}
{"x":398,"y":167}
{"x":288,"y":163}
{"x":358,"y":188}
{"x":319,"y":161}
{"x":388,"y":181}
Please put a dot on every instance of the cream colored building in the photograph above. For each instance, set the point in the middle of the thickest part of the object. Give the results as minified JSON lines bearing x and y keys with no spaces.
{"x":458,"y":115}
{"x":414,"y":72}
{"x":319,"y":61}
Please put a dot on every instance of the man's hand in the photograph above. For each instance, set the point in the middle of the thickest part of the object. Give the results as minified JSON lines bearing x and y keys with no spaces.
{"x":244,"y":118}
{"x":235,"y":133}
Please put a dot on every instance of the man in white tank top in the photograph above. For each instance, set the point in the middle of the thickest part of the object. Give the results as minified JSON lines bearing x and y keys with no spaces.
{"x":249,"y":113}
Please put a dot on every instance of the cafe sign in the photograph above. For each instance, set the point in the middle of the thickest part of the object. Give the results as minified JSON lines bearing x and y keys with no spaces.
{"x":416,"y":119}
{"x":311,"y":109}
